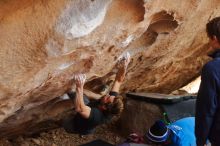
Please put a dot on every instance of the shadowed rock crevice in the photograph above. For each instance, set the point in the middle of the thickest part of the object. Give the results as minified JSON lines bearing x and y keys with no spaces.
{"x":163,"y":22}
{"x":161,"y":25}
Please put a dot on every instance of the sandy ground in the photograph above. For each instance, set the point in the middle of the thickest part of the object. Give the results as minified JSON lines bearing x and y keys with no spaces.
{"x":58,"y":137}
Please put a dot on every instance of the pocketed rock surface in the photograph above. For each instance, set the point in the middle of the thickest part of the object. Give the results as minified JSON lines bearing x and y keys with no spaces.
{"x":45,"y":42}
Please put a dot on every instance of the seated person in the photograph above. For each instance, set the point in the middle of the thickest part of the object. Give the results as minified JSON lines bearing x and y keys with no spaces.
{"x":179,"y":133}
{"x":91,"y":114}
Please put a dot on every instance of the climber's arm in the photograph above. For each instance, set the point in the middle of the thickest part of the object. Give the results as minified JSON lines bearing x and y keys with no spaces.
{"x":120,"y":76}
{"x":80,"y":106}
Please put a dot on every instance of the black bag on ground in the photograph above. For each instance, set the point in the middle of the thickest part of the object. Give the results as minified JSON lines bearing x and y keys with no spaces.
{"x":174,"y":107}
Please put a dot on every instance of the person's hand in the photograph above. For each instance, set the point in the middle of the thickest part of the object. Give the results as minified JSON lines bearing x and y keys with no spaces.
{"x":80,"y":80}
{"x":124,"y":61}
{"x":122,"y":65}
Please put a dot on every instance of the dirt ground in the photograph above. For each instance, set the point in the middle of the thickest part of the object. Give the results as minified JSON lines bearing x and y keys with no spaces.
{"x":58,"y":137}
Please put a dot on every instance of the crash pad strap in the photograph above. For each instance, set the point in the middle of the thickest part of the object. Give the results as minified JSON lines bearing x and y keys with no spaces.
{"x":183,"y":109}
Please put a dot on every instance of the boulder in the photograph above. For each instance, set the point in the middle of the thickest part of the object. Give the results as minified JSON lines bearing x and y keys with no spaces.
{"x":138,"y":117}
{"x":44,"y":43}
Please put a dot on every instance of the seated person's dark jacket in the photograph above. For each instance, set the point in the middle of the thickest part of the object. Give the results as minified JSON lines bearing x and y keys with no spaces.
{"x":78,"y":124}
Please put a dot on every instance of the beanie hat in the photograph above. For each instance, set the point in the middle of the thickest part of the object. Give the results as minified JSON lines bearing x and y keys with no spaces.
{"x":158,"y":132}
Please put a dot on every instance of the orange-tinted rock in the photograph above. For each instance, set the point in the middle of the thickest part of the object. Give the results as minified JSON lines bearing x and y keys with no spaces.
{"x":43,"y":43}
{"x":138,"y":117}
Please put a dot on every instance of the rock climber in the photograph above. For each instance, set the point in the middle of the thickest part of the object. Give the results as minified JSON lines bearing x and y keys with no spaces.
{"x":93,"y":113}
